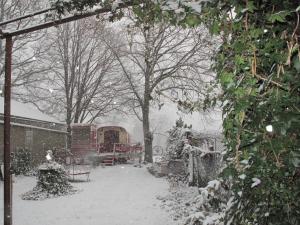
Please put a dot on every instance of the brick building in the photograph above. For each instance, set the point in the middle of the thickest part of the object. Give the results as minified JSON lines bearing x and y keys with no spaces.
{"x":32,"y":130}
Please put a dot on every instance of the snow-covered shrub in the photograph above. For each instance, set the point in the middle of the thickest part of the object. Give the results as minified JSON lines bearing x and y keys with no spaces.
{"x":52,"y":181}
{"x":198,"y":206}
{"x":176,"y":140}
{"x":210,"y":204}
{"x":175,"y":144}
{"x":22,"y":162}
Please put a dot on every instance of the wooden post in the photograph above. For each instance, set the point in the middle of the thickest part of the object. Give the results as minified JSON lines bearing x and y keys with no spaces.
{"x":7,"y":150}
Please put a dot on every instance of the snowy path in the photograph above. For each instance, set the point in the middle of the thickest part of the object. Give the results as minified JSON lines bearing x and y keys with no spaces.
{"x":118,"y":195}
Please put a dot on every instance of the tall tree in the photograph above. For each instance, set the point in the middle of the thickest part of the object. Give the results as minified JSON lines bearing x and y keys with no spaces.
{"x":158,"y":59}
{"x":28,"y":48}
{"x":83,"y":81}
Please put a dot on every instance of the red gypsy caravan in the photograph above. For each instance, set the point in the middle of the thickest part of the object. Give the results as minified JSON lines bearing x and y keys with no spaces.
{"x":109,"y":143}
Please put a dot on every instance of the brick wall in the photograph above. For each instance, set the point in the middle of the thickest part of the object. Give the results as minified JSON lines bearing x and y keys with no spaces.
{"x":37,"y":141}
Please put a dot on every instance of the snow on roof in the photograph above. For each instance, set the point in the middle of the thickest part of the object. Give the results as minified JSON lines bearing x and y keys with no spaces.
{"x":83,"y":125}
{"x":112,"y":126}
{"x":22,"y":110}
{"x":35,"y":127}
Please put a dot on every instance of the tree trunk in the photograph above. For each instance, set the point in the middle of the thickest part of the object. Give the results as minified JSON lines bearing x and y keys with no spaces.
{"x":69,"y":130}
{"x":148,"y":137}
{"x":69,"y":136}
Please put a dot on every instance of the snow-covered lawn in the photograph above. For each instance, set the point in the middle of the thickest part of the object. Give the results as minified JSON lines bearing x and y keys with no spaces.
{"x":118,"y":195}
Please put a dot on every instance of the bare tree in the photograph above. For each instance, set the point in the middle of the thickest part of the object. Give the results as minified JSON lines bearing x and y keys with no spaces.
{"x":28,"y":48}
{"x":158,"y":59}
{"x":84,"y":82}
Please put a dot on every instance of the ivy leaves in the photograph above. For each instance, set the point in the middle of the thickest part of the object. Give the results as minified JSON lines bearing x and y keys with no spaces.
{"x":261,"y":88}
{"x":296,"y":63}
{"x":278,"y":16}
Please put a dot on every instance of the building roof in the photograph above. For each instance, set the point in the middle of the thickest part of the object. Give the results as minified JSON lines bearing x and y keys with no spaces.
{"x":19,"y":109}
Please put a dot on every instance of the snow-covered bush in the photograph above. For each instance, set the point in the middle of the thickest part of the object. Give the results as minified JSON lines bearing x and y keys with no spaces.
{"x":52,"y":181}
{"x":176,"y":140}
{"x":198,"y":206}
{"x":22,"y":162}
{"x":211,"y":205}
{"x":175,"y":144}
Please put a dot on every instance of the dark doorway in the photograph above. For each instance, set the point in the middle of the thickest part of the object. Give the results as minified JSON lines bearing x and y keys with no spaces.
{"x":111,"y":137}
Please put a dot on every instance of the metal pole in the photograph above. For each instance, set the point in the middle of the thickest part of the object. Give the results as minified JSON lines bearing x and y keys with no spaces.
{"x":26,"y":16}
{"x":62,"y":21}
{"x":7,"y":152}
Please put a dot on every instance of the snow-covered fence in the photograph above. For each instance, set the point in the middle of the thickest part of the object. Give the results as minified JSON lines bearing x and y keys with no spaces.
{"x":204,"y":164}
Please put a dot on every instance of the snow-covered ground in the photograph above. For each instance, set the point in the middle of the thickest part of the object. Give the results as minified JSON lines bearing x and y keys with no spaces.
{"x":118,"y":195}
{"x":179,"y":202}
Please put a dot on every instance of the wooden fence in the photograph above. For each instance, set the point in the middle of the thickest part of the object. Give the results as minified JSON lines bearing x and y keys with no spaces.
{"x":203,"y":164}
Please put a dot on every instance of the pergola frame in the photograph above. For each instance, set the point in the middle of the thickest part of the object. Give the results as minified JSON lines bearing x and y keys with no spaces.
{"x":8,"y":35}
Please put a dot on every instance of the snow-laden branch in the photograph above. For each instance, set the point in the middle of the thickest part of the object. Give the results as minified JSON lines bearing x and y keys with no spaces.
{"x":198,"y":150}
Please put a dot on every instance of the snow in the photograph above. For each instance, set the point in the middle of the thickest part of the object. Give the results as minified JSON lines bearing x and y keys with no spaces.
{"x":116,"y":4}
{"x":181,"y":203}
{"x":173,"y":5}
{"x":190,"y":205}
{"x":245,"y":162}
{"x":202,"y":150}
{"x":115,"y":195}
{"x":24,"y":110}
{"x":242,"y":176}
{"x":256,"y":182}
{"x":196,"y":6}
{"x":170,"y":5}
{"x":50,"y":166}
{"x":214,"y":185}
{"x":269,"y":128}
